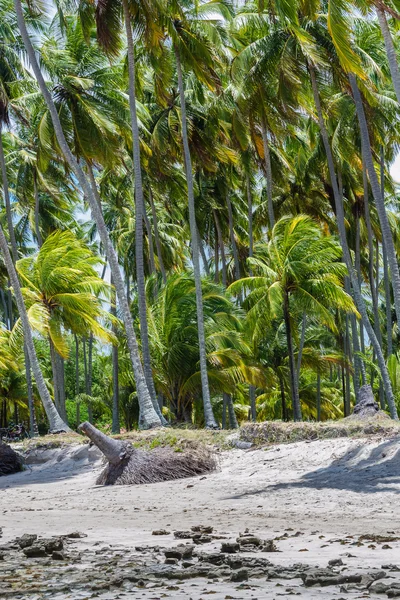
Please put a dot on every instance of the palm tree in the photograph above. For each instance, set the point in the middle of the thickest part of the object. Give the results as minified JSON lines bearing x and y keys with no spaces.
{"x":187,"y":45}
{"x":299,"y":271}
{"x":61,"y":287}
{"x":149,"y":416}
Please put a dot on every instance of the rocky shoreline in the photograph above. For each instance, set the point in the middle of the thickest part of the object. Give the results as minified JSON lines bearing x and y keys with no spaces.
{"x":66,"y":566}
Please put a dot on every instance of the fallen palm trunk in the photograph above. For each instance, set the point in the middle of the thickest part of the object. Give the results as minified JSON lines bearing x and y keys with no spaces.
{"x":128,"y":465}
{"x":10,"y":461}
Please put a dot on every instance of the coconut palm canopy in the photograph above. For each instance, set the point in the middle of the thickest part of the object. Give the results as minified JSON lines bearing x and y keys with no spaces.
{"x":199,"y":223}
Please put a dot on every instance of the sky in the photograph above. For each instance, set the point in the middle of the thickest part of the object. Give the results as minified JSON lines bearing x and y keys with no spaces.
{"x":395,"y":169}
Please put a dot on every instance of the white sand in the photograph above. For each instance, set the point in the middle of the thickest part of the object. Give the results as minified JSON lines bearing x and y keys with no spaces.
{"x":333,"y":488}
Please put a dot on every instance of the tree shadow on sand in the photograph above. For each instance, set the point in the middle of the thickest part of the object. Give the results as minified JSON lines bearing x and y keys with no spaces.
{"x":357,"y":471}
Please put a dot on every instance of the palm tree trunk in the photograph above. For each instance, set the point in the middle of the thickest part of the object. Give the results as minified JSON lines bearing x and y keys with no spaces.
{"x":87,"y":384}
{"x":358,"y":269}
{"x":347,"y":356}
{"x":203,"y":254}
{"x":150,"y":242}
{"x":221,"y":248}
{"x":301,"y":345}
{"x":376,"y":191}
{"x":39,"y":238}
{"x":5,"y":309}
{"x":115,"y":381}
{"x":268,"y":174}
{"x":367,"y":217}
{"x":292,"y":367}
{"x":139,"y":204}
{"x":61,"y":379}
{"x":6,"y":192}
{"x":390,"y":50}
{"x":149,"y":415}
{"x":216,"y":257}
{"x":318,"y":402}
{"x":55,"y":421}
{"x":232,"y":236}
{"x":14,"y":252}
{"x":56,"y":385}
{"x":250,"y":219}
{"x":359,"y":301}
{"x":388,"y":301}
{"x":157,"y":238}
{"x":253,"y":408}
{"x":233,"y":424}
{"x":283,"y":398}
{"x":208,"y":411}
{"x":33,"y":428}
{"x":224,"y":407}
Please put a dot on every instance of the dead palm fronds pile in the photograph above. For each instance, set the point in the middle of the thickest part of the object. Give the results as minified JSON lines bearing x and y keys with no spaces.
{"x":10,"y":461}
{"x":129,"y":466}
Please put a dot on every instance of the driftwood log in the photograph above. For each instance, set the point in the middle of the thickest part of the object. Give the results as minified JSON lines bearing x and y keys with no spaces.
{"x":128,"y":465}
{"x":10,"y":461}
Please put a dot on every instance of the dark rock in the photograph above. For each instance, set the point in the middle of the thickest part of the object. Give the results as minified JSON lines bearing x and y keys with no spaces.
{"x":179,"y":552}
{"x":204,"y":529}
{"x":336,"y":562}
{"x":382,"y":587}
{"x":26,"y":540}
{"x":269,"y":546}
{"x":230,"y":547}
{"x":34,"y":551}
{"x":2,"y":555}
{"x":391,"y":567}
{"x":183,"y":535}
{"x":214,"y":559}
{"x":160,"y":532}
{"x":75,"y":535}
{"x":57,"y":555}
{"x":171,"y":561}
{"x":202,"y":539}
{"x":186,"y":564}
{"x":328,"y":577}
{"x":249,"y":540}
{"x":52,"y":544}
{"x":235,"y":562}
{"x":240,"y":575}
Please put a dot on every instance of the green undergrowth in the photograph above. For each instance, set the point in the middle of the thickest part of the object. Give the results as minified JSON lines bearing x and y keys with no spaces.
{"x":259,"y":434}
{"x":277,"y":432}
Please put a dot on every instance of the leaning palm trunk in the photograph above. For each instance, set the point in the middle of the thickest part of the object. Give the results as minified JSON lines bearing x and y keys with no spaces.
{"x":14,"y":251}
{"x":390,"y":51}
{"x":359,"y":300}
{"x":376,"y":191}
{"x":55,"y":421}
{"x":148,"y":415}
{"x":209,"y":418}
{"x":129,"y":466}
{"x":139,"y":209}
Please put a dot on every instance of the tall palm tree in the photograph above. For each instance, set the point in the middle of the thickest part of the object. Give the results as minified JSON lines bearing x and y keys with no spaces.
{"x":298,"y":271}
{"x":149,"y":416}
